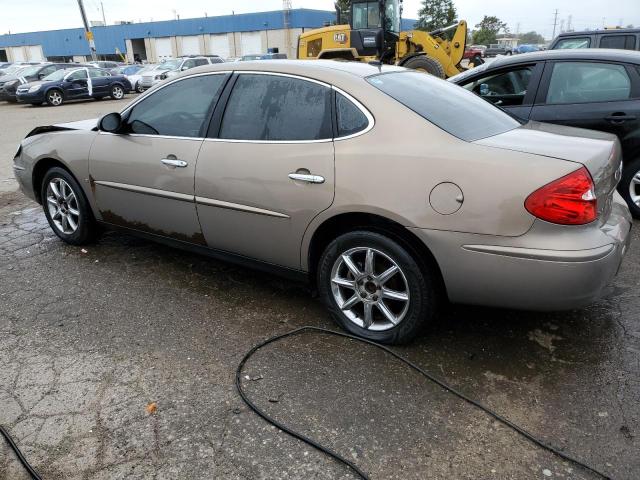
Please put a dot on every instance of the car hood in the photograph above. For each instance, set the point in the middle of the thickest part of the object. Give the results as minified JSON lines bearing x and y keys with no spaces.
{"x":88,"y":125}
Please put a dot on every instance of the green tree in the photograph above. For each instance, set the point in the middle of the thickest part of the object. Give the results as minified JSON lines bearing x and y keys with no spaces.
{"x":531,"y":37}
{"x":487,"y":30}
{"x":344,"y":7}
{"x":436,"y":14}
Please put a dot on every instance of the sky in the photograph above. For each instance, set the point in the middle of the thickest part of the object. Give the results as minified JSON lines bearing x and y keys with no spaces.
{"x":523,"y":16}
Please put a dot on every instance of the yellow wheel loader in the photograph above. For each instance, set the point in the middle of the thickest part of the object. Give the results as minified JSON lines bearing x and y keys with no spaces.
{"x":375,"y":35}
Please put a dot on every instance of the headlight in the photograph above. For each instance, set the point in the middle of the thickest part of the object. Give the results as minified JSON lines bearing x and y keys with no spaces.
{"x":35,"y":88}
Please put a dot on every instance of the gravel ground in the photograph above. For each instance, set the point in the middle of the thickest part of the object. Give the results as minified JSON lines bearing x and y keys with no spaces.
{"x":118,"y":361}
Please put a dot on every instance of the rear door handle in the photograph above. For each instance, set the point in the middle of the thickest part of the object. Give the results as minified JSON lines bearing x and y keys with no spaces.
{"x":306,"y":177}
{"x":174,"y":162}
{"x":619,"y":118}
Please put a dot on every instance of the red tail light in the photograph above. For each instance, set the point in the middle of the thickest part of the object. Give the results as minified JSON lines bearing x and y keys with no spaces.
{"x":570,"y":200}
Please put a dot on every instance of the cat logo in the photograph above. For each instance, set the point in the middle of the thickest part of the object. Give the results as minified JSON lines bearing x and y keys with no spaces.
{"x":340,"y":37}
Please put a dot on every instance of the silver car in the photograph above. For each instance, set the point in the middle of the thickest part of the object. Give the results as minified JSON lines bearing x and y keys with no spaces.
{"x":387,"y":189}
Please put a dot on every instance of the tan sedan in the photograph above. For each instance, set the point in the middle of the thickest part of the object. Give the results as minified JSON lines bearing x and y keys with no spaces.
{"x":388,"y":189}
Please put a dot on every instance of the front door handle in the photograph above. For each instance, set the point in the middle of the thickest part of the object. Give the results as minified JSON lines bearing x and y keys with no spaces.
{"x":174,"y":162}
{"x":306,"y":177}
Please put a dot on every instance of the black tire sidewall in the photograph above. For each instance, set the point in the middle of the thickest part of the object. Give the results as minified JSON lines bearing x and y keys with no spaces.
{"x":139,"y":88}
{"x":423,"y":303}
{"x":431,"y":66}
{"x":113,"y":88}
{"x":628,"y":173}
{"x":86,"y":230}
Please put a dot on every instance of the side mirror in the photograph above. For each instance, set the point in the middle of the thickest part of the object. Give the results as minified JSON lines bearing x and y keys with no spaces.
{"x":41,"y":76}
{"x":111,"y":122}
{"x":184,"y":67}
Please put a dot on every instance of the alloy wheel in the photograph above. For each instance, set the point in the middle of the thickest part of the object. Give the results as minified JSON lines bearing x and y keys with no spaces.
{"x":370,"y":288}
{"x":55,"y":98}
{"x":117,"y":92}
{"x":63,"y":206}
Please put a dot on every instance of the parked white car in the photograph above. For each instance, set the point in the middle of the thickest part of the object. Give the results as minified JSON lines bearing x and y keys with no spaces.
{"x":174,"y":66}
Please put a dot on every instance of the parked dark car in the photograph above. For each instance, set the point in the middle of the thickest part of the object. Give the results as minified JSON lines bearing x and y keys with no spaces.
{"x":73,"y":84}
{"x":619,"y":38}
{"x":36,"y":72}
{"x":497,"y":49}
{"x":588,"y":88}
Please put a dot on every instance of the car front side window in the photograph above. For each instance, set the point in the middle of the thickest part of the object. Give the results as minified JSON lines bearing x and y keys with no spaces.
{"x":277,"y":108}
{"x":581,"y":82}
{"x":579,"y":42}
{"x":504,"y":88}
{"x":77,"y":75}
{"x":179,"y":109}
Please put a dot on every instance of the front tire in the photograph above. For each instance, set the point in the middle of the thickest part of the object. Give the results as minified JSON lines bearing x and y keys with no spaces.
{"x":55,"y":97}
{"x":629,"y":186}
{"x":117,"y":92}
{"x":425,"y":64}
{"x":374,"y":288}
{"x":67,"y":208}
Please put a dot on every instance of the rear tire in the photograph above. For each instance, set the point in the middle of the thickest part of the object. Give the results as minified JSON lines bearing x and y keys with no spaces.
{"x":139,"y":88}
{"x":629,"y":186}
{"x":67,"y":208}
{"x":408,"y":296}
{"x":55,"y":97}
{"x":425,"y":64}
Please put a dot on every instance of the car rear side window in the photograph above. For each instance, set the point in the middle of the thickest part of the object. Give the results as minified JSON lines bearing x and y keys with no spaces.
{"x":624,"y":42}
{"x":277,"y":108}
{"x":179,"y":109}
{"x":582,"y":82}
{"x":453,"y":109}
{"x":351,"y":119}
{"x":575,"y":42}
{"x":503,"y":88}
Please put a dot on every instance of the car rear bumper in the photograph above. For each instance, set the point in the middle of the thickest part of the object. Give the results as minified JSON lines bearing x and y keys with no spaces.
{"x":526,"y":272}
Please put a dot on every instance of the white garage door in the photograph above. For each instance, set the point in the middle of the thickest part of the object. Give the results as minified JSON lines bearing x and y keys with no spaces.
{"x":190,"y":46}
{"x":163,"y":47}
{"x":35,"y":53}
{"x":251,"y":43}
{"x":219,"y":45}
{"x":17,"y":54}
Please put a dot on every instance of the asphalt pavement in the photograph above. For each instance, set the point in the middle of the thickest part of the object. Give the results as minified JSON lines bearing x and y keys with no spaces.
{"x":117,"y":360}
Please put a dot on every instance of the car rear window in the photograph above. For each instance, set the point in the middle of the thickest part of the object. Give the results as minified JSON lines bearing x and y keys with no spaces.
{"x":576,"y":42}
{"x":452,"y":108}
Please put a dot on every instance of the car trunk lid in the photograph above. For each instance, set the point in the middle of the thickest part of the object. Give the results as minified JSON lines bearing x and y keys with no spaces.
{"x":599,"y":152}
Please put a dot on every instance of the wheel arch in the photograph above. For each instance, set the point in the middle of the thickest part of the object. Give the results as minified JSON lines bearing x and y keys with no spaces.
{"x":40,"y":169}
{"x":342,"y":223}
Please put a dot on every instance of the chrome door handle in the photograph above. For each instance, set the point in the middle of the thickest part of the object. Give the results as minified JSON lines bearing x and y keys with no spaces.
{"x":174,"y":162}
{"x":306,"y":177}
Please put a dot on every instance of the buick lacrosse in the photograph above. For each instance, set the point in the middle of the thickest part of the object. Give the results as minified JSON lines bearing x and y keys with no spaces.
{"x":388,"y":189}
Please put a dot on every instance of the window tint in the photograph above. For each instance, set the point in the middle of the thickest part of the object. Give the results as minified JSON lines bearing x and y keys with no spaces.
{"x":201,"y":61}
{"x":624,"y":42}
{"x":350,"y":118}
{"x":95,"y":73}
{"x":188,"y":64}
{"x":578,"y":82}
{"x":577,"y":42}
{"x":504,"y":88}
{"x":179,"y":109}
{"x":366,"y":15}
{"x":78,"y":75}
{"x":453,"y":109}
{"x":48,"y":70}
{"x":271,"y":107}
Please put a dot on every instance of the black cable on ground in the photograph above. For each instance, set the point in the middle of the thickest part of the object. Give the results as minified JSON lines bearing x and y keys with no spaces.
{"x":23,"y":460}
{"x":435,"y":380}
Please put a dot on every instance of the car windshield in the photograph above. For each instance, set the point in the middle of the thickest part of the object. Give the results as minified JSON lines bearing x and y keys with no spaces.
{"x":30,"y":70}
{"x":453,"y":109}
{"x":169,"y":65}
{"x":14,"y":69}
{"x":57,"y":75}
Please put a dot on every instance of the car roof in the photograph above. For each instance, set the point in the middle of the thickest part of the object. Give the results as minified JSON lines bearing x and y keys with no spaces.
{"x":613,"y":31}
{"x":628,"y":56}
{"x":303,"y":67}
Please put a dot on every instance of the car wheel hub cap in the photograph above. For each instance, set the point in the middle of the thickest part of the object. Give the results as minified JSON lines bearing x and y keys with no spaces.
{"x":63,"y":206}
{"x":634,"y":188}
{"x":370,"y":288}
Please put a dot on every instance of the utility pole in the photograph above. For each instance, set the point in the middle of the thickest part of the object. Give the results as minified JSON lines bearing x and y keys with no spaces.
{"x":104,"y":20}
{"x":87,"y":32}
{"x":555,"y":23}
